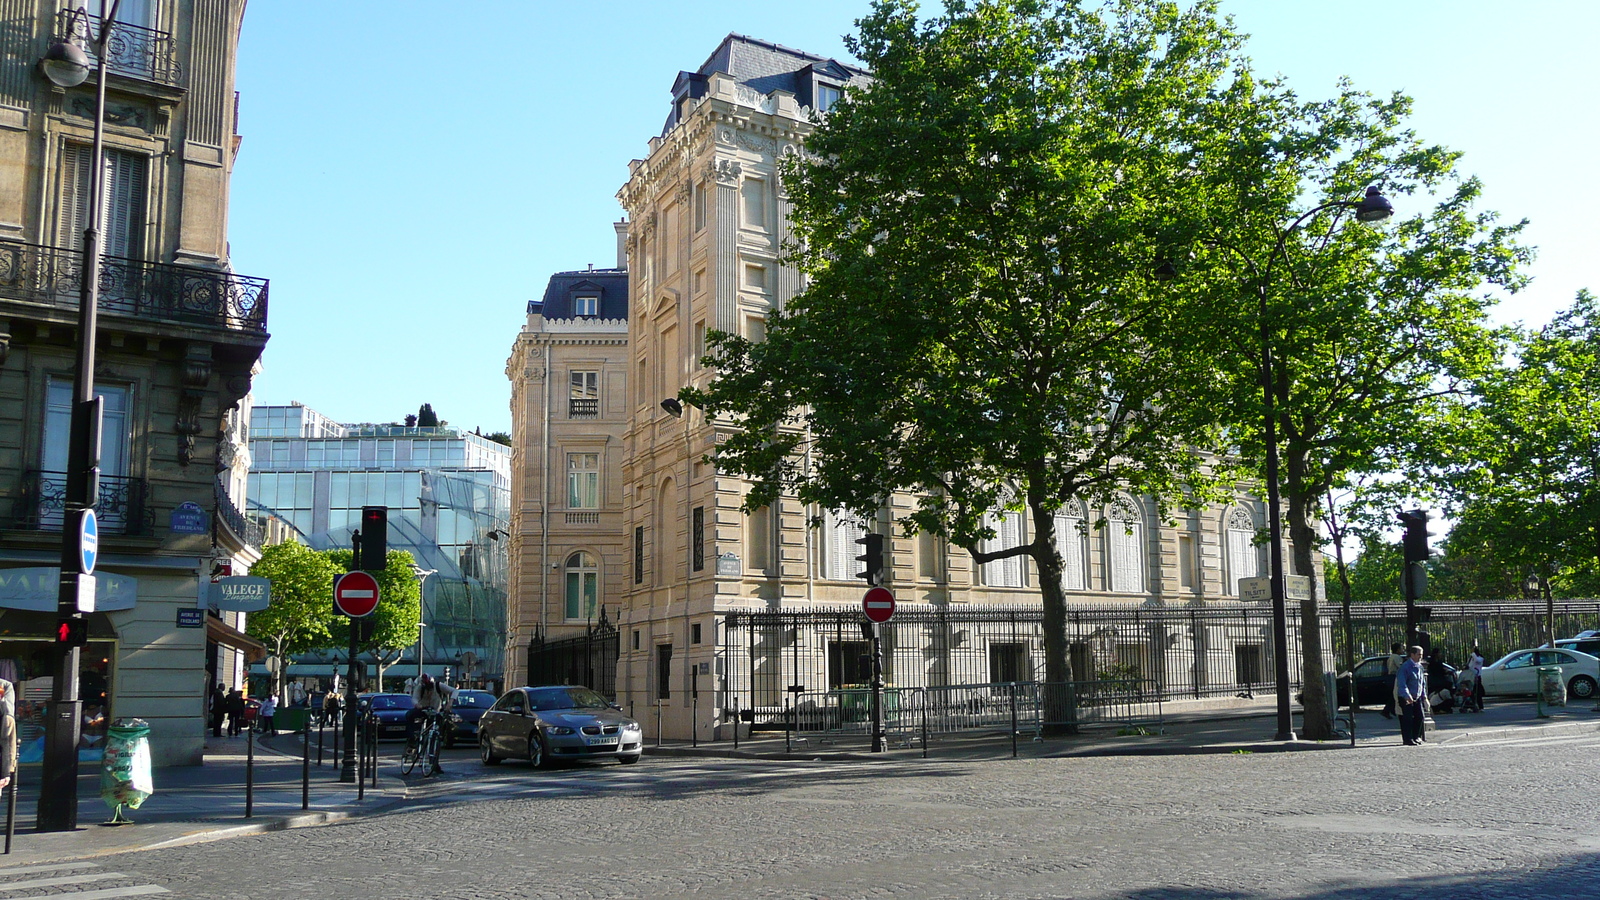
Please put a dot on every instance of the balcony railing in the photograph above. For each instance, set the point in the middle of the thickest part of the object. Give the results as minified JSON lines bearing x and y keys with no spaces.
{"x":133,"y":51}
{"x":583,"y":408}
{"x":131,"y":287}
{"x":244,"y":528}
{"x":122,"y":508}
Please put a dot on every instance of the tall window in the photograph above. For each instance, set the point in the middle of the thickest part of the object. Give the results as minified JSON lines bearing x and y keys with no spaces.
{"x":1125,"y":537}
{"x":122,"y":221}
{"x":839,"y":552}
{"x":584,"y":395}
{"x":1008,"y":533}
{"x":699,"y":207}
{"x":585,"y":307}
{"x":1244,"y":556}
{"x":663,"y":671}
{"x":754,"y":193}
{"x":758,"y":540}
{"x":583,"y":481}
{"x":583,"y":586}
{"x":638,"y":554}
{"x":697,"y":539}
{"x":827,"y":96}
{"x":1072,"y":541}
{"x":59,"y":397}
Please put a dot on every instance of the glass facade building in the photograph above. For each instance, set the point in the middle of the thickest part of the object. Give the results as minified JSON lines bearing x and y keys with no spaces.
{"x":448,"y":492}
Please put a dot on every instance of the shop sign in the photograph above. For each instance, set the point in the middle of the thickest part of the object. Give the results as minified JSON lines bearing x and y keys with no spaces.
{"x":191,"y":618}
{"x":189,"y":518}
{"x":38,"y":588}
{"x":241,"y":593}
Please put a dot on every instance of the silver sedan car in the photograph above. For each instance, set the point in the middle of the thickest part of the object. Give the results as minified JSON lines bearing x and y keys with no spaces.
{"x":1517,"y":672}
{"x":545,"y":724}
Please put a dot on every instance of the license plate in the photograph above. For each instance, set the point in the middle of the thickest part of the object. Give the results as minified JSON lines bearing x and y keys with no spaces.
{"x":603,"y":741}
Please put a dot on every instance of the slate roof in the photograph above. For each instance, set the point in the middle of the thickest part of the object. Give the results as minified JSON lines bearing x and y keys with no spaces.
{"x":765,"y":67}
{"x":610,"y":285}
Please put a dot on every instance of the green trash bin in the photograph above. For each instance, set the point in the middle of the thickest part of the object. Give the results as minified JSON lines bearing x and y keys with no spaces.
{"x":291,"y":718}
{"x":1552,"y":690}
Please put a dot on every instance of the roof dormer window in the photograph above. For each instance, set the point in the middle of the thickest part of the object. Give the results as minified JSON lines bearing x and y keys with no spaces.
{"x":827,"y":96}
{"x":585,"y":306}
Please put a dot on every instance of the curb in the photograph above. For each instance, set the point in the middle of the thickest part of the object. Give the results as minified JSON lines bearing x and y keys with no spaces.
{"x":279,"y":823}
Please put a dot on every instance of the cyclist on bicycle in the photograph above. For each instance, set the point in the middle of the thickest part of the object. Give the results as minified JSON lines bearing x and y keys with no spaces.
{"x":429,"y":697}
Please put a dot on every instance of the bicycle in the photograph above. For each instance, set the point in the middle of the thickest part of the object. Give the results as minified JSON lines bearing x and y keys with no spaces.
{"x":425,"y":747}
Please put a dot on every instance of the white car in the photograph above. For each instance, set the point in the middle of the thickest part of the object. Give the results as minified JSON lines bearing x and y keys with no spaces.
{"x":1517,"y":672}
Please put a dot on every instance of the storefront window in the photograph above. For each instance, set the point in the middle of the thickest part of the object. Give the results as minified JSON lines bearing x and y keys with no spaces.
{"x":30,"y":665}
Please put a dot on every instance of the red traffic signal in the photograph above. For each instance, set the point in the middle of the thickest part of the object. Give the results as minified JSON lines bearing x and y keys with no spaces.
{"x":72,"y":632}
{"x":374,"y":538}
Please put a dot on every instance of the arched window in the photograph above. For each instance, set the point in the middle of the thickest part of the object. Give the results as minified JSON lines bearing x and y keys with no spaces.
{"x":1008,"y":533}
{"x":1073,"y":543}
{"x":1125,"y":540}
{"x":583,"y":586}
{"x":1244,"y":554}
{"x":839,"y":548}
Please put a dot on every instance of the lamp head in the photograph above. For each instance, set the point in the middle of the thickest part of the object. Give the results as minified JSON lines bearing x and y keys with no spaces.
{"x":1375,"y":207}
{"x":673,"y":407}
{"x":65,"y":64}
{"x":1165,"y":270}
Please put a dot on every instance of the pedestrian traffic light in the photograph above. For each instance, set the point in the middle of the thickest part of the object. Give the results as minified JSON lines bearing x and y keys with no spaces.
{"x":873,"y":557}
{"x":374,"y":538}
{"x":72,"y":631}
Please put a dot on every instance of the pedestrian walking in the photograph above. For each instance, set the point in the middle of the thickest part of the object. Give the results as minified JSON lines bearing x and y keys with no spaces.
{"x":1397,"y":656}
{"x":1411,"y":687}
{"x":8,"y":736}
{"x":235,"y":710}
{"x":219,"y":709}
{"x":1475,"y":667}
{"x":269,"y":708}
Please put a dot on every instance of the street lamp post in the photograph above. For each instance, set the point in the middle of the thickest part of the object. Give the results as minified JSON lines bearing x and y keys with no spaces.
{"x":1375,"y":207}
{"x":422,"y":608}
{"x":66,"y":65}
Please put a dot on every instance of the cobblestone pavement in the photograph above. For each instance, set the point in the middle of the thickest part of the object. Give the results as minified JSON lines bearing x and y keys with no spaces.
{"x":1513,"y":818}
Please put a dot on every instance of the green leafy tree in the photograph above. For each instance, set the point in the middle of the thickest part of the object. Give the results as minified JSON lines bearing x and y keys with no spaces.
{"x":300,"y":617}
{"x":398,"y":618}
{"x":979,"y":228}
{"x":1375,"y":332}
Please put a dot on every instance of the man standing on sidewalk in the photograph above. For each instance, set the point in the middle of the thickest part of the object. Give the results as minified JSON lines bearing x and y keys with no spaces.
{"x":8,"y":737}
{"x":1411,"y":686}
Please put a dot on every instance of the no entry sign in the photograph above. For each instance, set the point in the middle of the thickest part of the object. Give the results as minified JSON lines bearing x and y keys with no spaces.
{"x":878,"y":604}
{"x":356,"y":594}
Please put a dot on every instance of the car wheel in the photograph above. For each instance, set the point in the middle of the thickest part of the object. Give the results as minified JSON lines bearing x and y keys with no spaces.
{"x":1581,"y":687}
{"x":536,"y":752}
{"x":487,"y":754}
{"x":629,"y":760}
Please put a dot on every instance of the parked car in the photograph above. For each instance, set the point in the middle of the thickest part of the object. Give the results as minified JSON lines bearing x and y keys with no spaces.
{"x":390,"y":711}
{"x":1587,"y":642}
{"x":1517,"y":672}
{"x":544,"y":724}
{"x":466,"y":708}
{"x":1373,"y":687}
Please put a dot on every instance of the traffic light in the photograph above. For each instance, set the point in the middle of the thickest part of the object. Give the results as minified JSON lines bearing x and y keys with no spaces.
{"x":374,"y":538}
{"x":1414,"y":547}
{"x":873,"y":557}
{"x":72,"y":631}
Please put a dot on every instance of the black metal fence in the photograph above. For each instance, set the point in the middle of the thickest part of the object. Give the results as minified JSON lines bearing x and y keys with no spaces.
{"x":588,"y":659}
{"x":769,"y":659}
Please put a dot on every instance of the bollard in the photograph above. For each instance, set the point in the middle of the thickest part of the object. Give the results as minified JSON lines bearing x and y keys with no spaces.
{"x":788,"y":727}
{"x":305,"y":769}
{"x":924,"y":724}
{"x":320,"y":726}
{"x":736,"y":721}
{"x":361,"y":760}
{"x":372,"y":757}
{"x":694,"y":719}
{"x":1013,"y":720}
{"x":11,"y":811}
{"x":249,"y":774}
{"x":658,"y":723}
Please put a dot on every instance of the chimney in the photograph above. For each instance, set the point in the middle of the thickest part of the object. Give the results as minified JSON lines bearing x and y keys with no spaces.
{"x":621,"y":225}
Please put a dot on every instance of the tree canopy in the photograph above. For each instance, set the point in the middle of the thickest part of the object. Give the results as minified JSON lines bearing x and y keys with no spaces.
{"x":300,"y":617}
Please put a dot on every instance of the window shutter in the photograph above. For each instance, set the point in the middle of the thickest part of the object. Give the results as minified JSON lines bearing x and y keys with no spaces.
{"x":74,"y":206}
{"x":1127,"y":548}
{"x":1069,"y":542}
{"x":125,"y":174}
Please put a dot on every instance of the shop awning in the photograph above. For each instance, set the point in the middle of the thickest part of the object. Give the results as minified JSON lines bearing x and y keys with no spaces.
{"x":223,"y":633}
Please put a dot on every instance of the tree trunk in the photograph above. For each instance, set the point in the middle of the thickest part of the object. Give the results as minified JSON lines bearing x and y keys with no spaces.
{"x":1060,"y":716}
{"x":1303,"y":541}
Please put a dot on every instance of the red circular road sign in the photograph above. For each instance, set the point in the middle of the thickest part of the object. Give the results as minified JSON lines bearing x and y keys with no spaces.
{"x":878,"y":604}
{"x":356,"y":594}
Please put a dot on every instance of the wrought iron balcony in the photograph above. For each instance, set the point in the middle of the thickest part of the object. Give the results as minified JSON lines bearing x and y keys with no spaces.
{"x":134,"y":51}
{"x":122,"y":508}
{"x":583,"y":408}
{"x":131,"y":287}
{"x":244,"y":528}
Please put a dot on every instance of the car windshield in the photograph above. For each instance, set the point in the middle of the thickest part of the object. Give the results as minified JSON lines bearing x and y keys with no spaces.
{"x":568,"y":698}
{"x":391,"y":701}
{"x":477,"y":699}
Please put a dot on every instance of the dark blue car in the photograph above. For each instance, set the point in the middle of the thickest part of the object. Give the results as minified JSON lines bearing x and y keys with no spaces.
{"x":390,"y":711}
{"x":466,"y":708}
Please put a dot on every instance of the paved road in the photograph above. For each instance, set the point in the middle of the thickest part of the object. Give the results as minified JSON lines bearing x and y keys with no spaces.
{"x":1493,"y":819}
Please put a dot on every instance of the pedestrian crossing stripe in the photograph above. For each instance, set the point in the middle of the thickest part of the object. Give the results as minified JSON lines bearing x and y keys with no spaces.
{"x":47,"y":878}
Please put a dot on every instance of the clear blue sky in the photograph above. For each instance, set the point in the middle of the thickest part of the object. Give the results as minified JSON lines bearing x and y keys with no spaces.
{"x":413,"y":172}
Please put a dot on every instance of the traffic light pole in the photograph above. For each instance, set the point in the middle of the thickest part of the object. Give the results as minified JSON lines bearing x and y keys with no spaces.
{"x":347,"y":765}
{"x":879,"y":743}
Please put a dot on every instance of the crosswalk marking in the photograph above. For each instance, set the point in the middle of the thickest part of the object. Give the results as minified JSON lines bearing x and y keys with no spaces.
{"x":79,"y":876}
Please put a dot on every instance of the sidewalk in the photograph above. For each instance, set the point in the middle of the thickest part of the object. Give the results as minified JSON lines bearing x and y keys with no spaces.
{"x":205,"y":803}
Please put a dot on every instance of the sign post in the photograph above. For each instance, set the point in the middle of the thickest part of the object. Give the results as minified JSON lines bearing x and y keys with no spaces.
{"x":355,"y":594}
{"x":878,"y":605}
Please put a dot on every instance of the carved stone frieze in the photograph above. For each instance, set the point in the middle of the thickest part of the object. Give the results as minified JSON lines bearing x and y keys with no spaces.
{"x":188,"y":425}
{"x":725,"y":171}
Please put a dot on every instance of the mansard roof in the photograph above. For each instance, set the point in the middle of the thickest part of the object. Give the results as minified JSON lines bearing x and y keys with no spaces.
{"x":765,"y":67}
{"x":610,"y":285}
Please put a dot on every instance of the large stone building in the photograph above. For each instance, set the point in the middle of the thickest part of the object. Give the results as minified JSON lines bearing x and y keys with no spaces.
{"x":179,"y":338}
{"x":674,"y":555}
